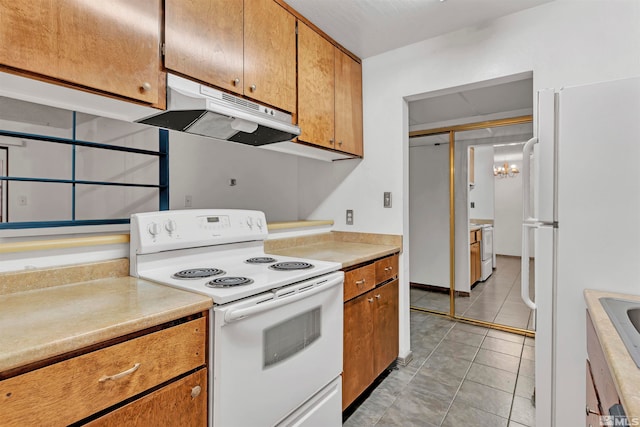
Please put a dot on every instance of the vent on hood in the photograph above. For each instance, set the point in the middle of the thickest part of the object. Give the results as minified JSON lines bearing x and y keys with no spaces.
{"x":201,"y":110}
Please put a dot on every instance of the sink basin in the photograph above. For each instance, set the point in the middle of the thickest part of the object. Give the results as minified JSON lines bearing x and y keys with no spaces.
{"x":625,"y":316}
{"x":634,"y":317}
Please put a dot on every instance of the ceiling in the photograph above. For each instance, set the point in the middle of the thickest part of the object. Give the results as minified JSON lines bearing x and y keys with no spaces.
{"x":505,"y":100}
{"x":371,"y":27}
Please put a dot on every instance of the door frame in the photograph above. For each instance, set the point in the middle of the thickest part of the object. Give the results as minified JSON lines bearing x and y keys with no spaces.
{"x":451,"y":131}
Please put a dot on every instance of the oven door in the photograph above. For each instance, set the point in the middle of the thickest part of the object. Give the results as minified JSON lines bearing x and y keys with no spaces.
{"x":274,"y":351}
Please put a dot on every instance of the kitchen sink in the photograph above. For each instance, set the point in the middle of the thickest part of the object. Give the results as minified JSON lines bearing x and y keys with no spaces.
{"x":625,"y":316}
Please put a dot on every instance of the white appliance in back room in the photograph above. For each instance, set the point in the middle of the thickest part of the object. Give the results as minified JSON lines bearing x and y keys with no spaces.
{"x":486,"y":252}
{"x":586,"y":227}
{"x":275,"y":330}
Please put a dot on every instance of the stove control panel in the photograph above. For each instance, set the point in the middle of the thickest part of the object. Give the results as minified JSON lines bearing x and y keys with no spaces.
{"x":153,"y":232}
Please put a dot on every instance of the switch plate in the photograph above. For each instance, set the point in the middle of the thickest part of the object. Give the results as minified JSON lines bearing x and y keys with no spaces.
{"x":387,"y":199}
{"x":349,"y":216}
{"x":188,"y":201}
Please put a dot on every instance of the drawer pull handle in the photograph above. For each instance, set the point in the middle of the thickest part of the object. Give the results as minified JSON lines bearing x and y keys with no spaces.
{"x":378,"y":296}
{"x":388,"y":268}
{"x":195,"y":392}
{"x":591,"y":411}
{"x":360,"y":282}
{"x":120,"y":375}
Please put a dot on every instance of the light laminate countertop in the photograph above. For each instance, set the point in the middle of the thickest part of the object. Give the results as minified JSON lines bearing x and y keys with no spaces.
{"x":42,"y":323}
{"x":625,"y":373}
{"x":349,"y":249}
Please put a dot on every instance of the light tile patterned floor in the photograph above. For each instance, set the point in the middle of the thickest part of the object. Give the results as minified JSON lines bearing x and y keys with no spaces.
{"x":460,"y":375}
{"x":495,"y":300}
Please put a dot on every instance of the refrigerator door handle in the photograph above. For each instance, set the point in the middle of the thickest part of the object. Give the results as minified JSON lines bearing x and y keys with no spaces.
{"x":526,"y":179}
{"x":524,"y":276}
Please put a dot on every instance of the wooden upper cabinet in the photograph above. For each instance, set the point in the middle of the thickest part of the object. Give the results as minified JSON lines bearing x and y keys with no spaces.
{"x":348,"y":109}
{"x":315,"y":87}
{"x":247,"y":47}
{"x":270,"y":54}
{"x":109,"y":46}
{"x":329,"y":94}
{"x":203,"y":40}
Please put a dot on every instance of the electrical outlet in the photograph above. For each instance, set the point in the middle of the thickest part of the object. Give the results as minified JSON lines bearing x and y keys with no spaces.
{"x":387,"y":199}
{"x":188,"y":201}
{"x":473,"y":205}
{"x":349,"y":216}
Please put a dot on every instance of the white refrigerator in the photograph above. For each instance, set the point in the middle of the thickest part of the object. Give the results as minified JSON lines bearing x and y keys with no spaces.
{"x":583,"y":215}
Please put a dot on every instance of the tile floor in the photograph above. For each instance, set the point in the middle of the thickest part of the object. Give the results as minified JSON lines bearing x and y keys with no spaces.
{"x":495,"y":300}
{"x":460,"y":375}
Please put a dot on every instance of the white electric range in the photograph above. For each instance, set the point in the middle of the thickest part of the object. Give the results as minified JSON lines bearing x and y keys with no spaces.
{"x":276,"y":325}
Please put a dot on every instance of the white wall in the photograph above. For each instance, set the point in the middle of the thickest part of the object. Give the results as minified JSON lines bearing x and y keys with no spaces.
{"x":507,"y":234}
{"x":482,"y":194}
{"x":202,"y":167}
{"x":429,"y":214}
{"x":565,"y":42}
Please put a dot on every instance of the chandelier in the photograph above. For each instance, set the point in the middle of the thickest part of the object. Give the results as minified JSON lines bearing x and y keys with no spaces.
{"x":504,"y":170}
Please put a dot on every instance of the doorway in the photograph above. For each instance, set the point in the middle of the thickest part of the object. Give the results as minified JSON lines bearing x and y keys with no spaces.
{"x":457,"y":197}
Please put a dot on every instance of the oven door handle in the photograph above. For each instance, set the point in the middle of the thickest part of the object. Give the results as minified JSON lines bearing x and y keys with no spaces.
{"x":296,"y":294}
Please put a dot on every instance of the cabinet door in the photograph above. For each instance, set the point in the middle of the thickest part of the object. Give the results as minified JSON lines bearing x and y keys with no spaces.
{"x":203,"y":40}
{"x":475,"y":262}
{"x":593,"y":406}
{"x":110,"y":46}
{"x":181,"y":403}
{"x":348,"y":104}
{"x":270,"y":54}
{"x":357,"y":366}
{"x":316,"y":104}
{"x":385,"y":326}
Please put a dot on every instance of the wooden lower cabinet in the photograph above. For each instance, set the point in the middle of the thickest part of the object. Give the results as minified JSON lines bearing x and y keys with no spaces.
{"x":475,"y":257}
{"x":357,"y":365}
{"x":82,"y":386}
{"x":181,"y":403}
{"x":385,"y":325}
{"x":370,"y":336}
{"x":598,"y":374}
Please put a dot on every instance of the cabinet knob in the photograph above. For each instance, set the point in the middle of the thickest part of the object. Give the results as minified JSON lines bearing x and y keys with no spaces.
{"x":378,"y":296}
{"x":331,"y":141}
{"x":236,"y":82}
{"x":339,"y":142}
{"x":360,"y":282}
{"x":146,"y":86}
{"x":388,"y":268}
{"x":195,"y":392}
{"x":370,"y":299}
{"x":252,"y":88}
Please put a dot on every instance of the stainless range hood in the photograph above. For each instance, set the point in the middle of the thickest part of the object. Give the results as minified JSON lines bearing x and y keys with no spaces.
{"x":201,"y":110}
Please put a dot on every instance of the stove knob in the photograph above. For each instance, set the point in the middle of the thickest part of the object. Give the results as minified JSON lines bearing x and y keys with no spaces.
{"x":170,"y":226}
{"x":154,"y":229}
{"x":260,"y":223}
{"x":250,"y":222}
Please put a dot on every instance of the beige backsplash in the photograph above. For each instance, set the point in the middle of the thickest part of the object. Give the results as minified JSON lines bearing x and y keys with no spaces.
{"x":26,"y":280}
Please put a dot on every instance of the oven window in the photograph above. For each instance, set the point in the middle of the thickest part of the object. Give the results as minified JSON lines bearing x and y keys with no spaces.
{"x":290,"y":337}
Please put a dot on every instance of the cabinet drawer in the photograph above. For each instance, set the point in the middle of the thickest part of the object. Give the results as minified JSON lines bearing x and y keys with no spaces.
{"x":359,"y":281}
{"x":386,"y":268}
{"x":181,"y":403}
{"x":76,"y":388}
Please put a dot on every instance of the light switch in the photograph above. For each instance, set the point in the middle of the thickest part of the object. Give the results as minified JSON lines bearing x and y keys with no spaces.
{"x":387,"y":199}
